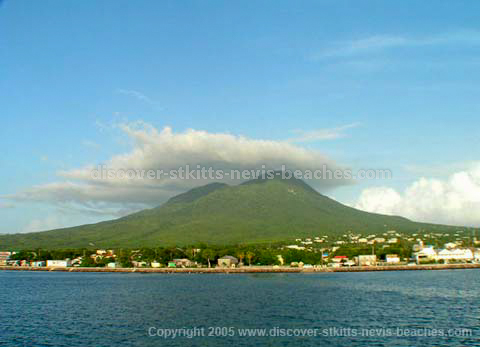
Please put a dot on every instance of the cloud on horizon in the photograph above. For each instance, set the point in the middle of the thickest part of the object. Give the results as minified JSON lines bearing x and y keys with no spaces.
{"x":455,"y":200}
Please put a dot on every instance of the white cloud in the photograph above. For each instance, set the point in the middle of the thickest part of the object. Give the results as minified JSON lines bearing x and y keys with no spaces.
{"x":166,"y":150}
{"x":322,"y":134}
{"x":455,"y":200}
{"x":377,"y":43}
{"x":134,"y":93}
{"x":140,"y":96}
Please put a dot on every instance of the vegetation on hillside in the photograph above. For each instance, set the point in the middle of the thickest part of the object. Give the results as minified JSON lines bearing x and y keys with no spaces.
{"x":254,"y":212}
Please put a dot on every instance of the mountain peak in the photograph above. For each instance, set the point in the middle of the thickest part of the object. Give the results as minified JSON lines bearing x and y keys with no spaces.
{"x":279,"y":176}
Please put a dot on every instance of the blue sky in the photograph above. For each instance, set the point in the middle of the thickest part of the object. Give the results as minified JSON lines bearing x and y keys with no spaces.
{"x":396,"y":82}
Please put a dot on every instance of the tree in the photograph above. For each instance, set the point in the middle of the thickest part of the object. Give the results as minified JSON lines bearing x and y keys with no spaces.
{"x":241,"y":256}
{"x":87,"y":262}
{"x":208,"y":254}
{"x":250,"y":256}
{"x":23,"y":255}
{"x":124,"y":258}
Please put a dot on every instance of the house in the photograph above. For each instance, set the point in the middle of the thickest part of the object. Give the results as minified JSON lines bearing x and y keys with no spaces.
{"x":366,"y":260}
{"x":112,"y":265}
{"x":139,"y":263}
{"x":37,"y":263}
{"x":184,"y":262}
{"x":339,"y":259}
{"x":155,"y":264}
{"x":77,"y":261}
{"x":227,"y":261}
{"x":392,"y":258}
{"x":13,"y":262}
{"x":59,"y":263}
{"x":4,"y":257}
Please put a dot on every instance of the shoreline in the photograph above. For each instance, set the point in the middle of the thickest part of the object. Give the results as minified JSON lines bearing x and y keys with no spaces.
{"x":248,"y":269}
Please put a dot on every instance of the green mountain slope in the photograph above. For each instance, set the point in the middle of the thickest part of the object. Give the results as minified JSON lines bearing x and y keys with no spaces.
{"x":256,"y":211}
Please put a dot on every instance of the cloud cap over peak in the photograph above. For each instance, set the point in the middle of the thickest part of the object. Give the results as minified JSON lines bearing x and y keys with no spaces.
{"x":153,"y":149}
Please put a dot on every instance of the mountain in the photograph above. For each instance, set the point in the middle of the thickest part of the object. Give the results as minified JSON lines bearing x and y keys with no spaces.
{"x":255,"y":211}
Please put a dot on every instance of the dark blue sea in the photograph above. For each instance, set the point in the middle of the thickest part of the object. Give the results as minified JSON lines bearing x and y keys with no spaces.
{"x":410,"y":308}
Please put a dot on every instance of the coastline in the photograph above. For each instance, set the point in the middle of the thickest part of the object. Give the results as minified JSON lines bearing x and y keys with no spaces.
{"x":248,"y":269}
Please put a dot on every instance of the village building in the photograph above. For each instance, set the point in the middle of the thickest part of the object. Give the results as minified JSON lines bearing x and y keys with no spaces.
{"x":59,"y":263}
{"x":4,"y":257}
{"x":184,"y":262}
{"x":454,"y":254}
{"x":425,"y":254}
{"x":392,"y":258}
{"x":366,"y":260}
{"x":227,"y":261}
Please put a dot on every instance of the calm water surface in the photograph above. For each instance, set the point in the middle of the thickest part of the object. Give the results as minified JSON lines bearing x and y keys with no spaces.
{"x":115,"y":309}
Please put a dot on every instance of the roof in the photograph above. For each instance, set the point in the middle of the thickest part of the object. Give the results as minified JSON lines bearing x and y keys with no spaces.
{"x":229,"y":257}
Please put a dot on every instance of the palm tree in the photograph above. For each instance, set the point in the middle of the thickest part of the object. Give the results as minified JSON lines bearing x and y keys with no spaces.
{"x":250,"y":256}
{"x":241,"y":256}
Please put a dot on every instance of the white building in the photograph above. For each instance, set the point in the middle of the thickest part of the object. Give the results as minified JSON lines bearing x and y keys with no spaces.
{"x":425,"y":254}
{"x":392,"y":258}
{"x":454,"y":254}
{"x":59,"y":263}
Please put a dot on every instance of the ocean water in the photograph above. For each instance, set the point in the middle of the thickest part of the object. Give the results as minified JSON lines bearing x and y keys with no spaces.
{"x":434,"y":308}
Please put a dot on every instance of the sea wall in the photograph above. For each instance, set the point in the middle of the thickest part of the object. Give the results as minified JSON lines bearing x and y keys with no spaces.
{"x":248,"y":269}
